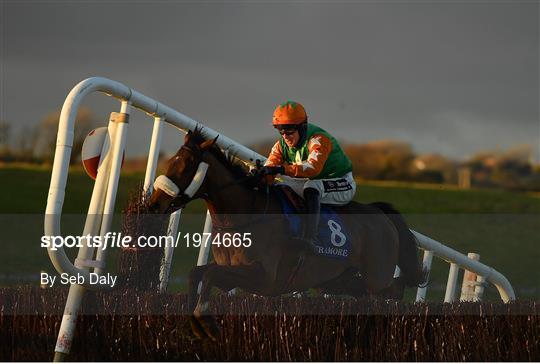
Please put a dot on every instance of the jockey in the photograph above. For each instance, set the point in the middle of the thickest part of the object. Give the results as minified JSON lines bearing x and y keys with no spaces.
{"x":311,"y":162}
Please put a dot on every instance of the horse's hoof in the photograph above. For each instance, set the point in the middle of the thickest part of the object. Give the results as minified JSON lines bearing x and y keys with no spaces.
{"x":197,"y":329}
{"x":210,"y":327}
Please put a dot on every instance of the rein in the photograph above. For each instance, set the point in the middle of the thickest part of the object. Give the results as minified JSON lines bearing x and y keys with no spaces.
{"x":251,"y":221}
{"x":234,"y":182}
{"x":168,"y":186}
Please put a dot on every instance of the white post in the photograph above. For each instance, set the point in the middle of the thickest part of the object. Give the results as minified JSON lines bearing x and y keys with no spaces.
{"x":153,"y":155}
{"x":450,"y":294}
{"x":119,"y":144}
{"x":491,"y":275}
{"x":165,"y":270}
{"x":479,"y":288}
{"x":83,"y":261}
{"x":426,"y":262}
{"x":469,"y":281}
{"x":59,"y":175}
{"x":204,"y":250}
{"x":69,"y":320}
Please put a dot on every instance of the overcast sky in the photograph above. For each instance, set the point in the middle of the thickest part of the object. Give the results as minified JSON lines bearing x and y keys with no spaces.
{"x":451,"y":77}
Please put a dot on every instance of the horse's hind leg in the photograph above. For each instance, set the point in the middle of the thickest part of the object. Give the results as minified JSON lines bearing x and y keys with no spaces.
{"x":412,"y":273}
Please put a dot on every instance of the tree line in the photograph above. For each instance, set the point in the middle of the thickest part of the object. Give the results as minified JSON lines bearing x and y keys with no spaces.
{"x":37,"y":143}
{"x":376,"y":160}
{"x":394,"y":160}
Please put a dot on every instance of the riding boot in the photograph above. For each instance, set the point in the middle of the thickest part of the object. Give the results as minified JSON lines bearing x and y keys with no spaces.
{"x":312,"y":199}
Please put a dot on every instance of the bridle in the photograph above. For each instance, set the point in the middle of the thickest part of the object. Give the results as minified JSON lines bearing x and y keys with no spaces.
{"x":171,"y":189}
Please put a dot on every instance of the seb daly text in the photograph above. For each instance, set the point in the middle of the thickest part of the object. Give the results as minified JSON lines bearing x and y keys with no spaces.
{"x":48,"y":280}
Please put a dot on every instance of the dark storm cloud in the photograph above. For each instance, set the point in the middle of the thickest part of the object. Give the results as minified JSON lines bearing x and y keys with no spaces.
{"x":450,"y":77}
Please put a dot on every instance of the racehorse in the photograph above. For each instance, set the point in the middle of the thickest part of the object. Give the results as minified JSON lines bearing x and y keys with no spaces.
{"x":274,"y":264}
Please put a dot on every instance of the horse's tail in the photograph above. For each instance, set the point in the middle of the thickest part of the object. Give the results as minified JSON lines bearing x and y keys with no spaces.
{"x":412,"y":274}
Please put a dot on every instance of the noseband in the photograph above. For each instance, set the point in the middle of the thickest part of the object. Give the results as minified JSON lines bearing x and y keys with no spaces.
{"x":165,"y":184}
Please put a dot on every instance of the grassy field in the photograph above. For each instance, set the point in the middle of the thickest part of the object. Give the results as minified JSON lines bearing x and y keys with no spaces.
{"x":501,"y":226}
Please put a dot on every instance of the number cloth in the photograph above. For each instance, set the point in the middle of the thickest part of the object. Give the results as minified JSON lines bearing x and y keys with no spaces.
{"x":333,"y":239}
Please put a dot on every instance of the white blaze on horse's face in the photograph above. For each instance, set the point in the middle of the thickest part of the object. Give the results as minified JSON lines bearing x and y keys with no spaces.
{"x":165,"y":184}
{"x":197,"y":181}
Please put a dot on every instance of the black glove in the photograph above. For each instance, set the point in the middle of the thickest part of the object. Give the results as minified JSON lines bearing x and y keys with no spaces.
{"x":269,"y":170}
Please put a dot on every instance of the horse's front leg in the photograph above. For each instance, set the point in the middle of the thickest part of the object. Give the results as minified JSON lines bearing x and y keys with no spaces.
{"x":194,"y":280}
{"x":225,"y":278}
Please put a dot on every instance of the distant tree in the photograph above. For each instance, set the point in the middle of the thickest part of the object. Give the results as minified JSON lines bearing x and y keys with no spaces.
{"x":26,"y":142}
{"x":6,"y":153}
{"x":5,"y":132}
{"x":48,"y":129}
{"x":434,"y":168}
{"x":383,"y":159}
{"x":509,"y":169}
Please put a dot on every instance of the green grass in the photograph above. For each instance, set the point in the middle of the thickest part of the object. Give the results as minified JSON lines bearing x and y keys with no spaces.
{"x":501,"y":226}
{"x":34,"y":187}
{"x":449,"y":201}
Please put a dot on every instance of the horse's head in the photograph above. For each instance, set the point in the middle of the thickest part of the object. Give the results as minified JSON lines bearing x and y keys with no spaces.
{"x":185,"y":175}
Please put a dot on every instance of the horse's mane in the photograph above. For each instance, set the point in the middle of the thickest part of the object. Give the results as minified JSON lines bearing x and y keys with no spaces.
{"x":238,"y":169}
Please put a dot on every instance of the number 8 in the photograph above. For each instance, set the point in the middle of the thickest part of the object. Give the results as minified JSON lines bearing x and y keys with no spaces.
{"x":335,"y":228}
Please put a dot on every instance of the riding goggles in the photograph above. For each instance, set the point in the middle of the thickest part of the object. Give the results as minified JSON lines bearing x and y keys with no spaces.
{"x":286,"y":130}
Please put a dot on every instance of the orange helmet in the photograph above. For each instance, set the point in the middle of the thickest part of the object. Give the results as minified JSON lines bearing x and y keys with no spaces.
{"x":289,"y":112}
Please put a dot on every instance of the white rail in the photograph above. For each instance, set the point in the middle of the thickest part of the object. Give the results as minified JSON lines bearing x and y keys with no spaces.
{"x":451,"y":256}
{"x":163,"y":113}
{"x":64,"y":144}
{"x":104,"y":194}
{"x":102,"y":203}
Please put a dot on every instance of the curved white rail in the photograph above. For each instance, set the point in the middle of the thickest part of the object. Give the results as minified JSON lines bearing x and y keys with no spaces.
{"x":64,"y":144}
{"x":104,"y":193}
{"x":451,"y":256}
{"x":164,"y":113}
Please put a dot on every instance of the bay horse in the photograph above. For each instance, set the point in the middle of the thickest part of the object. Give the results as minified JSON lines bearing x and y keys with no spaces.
{"x":274,"y":263}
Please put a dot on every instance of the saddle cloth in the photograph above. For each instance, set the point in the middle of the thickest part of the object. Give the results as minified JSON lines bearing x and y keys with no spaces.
{"x":333,"y":241}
